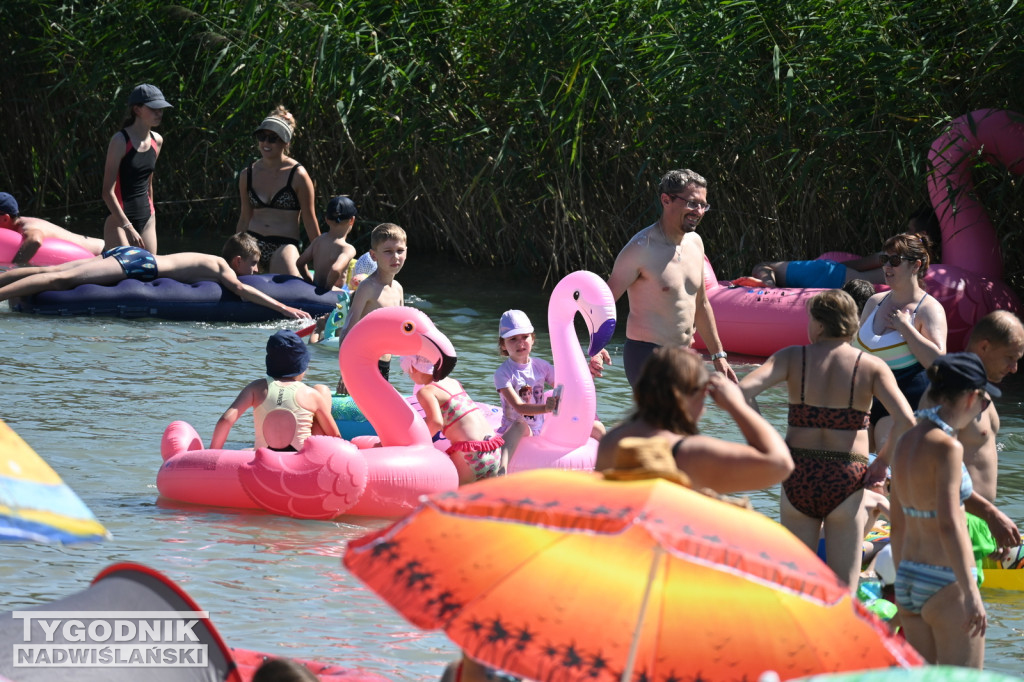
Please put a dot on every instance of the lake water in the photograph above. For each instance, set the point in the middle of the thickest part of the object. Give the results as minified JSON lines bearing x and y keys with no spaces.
{"x":93,"y":397}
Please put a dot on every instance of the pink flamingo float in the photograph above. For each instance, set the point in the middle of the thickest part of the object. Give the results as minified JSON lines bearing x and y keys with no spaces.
{"x":404,"y":465}
{"x":968,"y":284}
{"x":330,"y":477}
{"x":564,"y":442}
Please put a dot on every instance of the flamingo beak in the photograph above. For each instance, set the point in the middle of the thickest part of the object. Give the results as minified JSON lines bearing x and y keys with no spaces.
{"x":600,"y":319}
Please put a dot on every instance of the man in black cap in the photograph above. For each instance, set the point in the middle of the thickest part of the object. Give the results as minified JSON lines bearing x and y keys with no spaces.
{"x":34,"y":230}
{"x":330,"y":254}
{"x":285,"y":410}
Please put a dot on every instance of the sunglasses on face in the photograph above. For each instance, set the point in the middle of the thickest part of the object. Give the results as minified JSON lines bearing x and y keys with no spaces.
{"x":692,"y":205}
{"x":893,"y":259}
{"x":267,"y":137}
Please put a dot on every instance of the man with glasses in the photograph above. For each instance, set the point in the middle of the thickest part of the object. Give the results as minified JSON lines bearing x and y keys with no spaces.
{"x":998,"y":339}
{"x":661,"y":270}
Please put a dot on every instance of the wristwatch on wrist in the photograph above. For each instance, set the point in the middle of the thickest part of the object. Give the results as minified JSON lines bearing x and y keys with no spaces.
{"x":719,"y":354}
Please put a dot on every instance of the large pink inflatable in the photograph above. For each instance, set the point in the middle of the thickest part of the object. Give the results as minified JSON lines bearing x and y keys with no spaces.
{"x":404,"y":467}
{"x":53,"y":251}
{"x":195,"y":474}
{"x":564,"y":441}
{"x":330,"y":477}
{"x":969,"y":241}
{"x":968,"y":284}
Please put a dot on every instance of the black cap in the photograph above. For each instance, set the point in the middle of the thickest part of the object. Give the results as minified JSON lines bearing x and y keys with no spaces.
{"x":8,"y":205}
{"x":340,"y":208}
{"x":149,"y":95}
{"x":287,"y":355}
{"x":962,"y":372}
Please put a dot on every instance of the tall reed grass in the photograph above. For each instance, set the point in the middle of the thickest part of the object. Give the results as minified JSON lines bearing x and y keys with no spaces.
{"x":532,"y":134}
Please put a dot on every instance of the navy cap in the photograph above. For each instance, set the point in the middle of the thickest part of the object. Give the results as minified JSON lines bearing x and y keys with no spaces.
{"x":287,"y":355}
{"x":149,"y":95}
{"x":8,"y":205}
{"x":340,"y":208}
{"x":962,"y":372}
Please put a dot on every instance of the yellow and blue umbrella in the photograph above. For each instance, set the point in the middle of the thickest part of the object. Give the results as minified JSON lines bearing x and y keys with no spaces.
{"x":35,"y":504}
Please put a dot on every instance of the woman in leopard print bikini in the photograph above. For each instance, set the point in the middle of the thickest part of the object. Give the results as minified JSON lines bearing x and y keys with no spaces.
{"x":827,"y":432}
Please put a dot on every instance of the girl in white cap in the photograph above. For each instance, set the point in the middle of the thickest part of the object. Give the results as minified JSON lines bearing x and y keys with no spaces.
{"x":521,"y":382}
{"x":128,"y":172}
{"x":276,"y":194}
{"x":476,"y":451}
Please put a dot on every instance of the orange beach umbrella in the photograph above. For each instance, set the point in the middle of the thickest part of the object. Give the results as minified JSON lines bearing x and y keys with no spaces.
{"x":560,"y":575}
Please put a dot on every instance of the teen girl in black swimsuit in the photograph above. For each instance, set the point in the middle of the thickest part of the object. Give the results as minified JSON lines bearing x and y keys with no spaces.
{"x":128,"y":172}
{"x":276,"y":193}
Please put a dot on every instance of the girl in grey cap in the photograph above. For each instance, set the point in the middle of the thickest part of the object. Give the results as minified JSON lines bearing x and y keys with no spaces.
{"x":276,"y":194}
{"x":128,"y":172}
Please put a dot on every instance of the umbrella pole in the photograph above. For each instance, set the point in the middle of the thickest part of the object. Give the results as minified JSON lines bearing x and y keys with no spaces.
{"x":627,"y":674}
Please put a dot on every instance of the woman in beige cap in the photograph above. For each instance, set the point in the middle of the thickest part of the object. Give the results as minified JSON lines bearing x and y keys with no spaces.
{"x":277,"y":193}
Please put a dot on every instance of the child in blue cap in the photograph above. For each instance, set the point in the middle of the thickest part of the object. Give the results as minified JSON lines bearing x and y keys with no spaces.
{"x":285,"y":410}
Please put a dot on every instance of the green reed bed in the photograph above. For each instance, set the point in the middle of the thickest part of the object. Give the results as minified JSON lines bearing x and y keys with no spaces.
{"x":526,"y":133}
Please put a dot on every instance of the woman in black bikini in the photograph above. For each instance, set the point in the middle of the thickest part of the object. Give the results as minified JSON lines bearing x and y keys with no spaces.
{"x":831,"y":385}
{"x":670,"y":395}
{"x":128,"y":172}
{"x":276,"y":193}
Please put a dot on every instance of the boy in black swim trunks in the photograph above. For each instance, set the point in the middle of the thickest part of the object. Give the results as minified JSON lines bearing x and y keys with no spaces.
{"x":240,"y":257}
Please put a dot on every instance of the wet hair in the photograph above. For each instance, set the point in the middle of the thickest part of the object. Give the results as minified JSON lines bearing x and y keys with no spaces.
{"x":999,"y":327}
{"x":860,"y":290}
{"x":384,"y":232}
{"x":837,"y":311}
{"x":240,"y":244}
{"x":916,"y":246}
{"x":283,"y":670}
{"x":668,"y":377}
{"x":501,"y":343}
{"x":678,"y":180}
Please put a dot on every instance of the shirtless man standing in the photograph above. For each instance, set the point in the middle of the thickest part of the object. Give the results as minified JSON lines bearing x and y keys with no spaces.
{"x":661,"y":269}
{"x":998,"y":339}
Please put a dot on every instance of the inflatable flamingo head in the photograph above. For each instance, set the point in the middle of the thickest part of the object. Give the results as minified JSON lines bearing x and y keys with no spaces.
{"x":396,"y":331}
{"x":585,"y":293}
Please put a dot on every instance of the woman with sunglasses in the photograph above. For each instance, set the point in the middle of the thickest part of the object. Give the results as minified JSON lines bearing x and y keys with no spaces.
{"x":276,"y":193}
{"x":941,"y":612}
{"x":904,"y":326}
{"x":670,"y":395}
{"x":831,"y":385}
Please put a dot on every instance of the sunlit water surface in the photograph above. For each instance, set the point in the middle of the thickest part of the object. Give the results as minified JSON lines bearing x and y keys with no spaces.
{"x":93,"y":396}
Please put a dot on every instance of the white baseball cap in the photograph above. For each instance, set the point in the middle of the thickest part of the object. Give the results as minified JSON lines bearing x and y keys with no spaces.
{"x":513,"y":323}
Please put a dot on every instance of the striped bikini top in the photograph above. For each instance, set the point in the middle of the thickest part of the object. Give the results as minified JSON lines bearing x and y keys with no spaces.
{"x":889,"y":346}
{"x":456,"y":407}
{"x":806,"y":416}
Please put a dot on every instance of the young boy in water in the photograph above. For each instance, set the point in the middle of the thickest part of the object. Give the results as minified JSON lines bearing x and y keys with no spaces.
{"x":239,"y":257}
{"x":285,"y":410}
{"x":380,"y":289}
{"x":330,"y":254}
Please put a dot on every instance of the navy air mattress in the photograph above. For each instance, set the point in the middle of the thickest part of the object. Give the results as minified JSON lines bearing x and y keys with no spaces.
{"x":170,"y":299}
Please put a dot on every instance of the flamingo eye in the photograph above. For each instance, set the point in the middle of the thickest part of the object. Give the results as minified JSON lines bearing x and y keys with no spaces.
{"x":407,"y":327}
{"x":575,"y":295}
